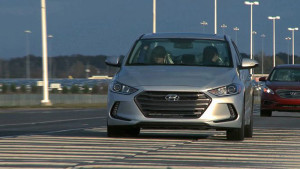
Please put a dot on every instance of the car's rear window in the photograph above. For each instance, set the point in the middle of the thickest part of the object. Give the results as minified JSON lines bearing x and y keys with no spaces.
{"x":187,"y":52}
{"x":285,"y":75}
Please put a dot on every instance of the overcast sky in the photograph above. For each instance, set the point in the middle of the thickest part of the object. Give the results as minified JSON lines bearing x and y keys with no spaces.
{"x":109,"y":27}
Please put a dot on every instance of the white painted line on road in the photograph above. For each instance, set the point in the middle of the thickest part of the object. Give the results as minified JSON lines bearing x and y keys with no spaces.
{"x":55,"y":121}
{"x":49,"y":132}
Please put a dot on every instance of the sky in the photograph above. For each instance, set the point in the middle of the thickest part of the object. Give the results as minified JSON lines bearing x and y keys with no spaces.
{"x":109,"y":27}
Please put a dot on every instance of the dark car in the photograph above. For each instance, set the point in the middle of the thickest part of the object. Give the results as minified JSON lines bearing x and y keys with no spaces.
{"x":282,"y":90}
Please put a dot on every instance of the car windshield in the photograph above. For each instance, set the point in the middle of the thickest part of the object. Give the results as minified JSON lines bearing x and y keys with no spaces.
{"x":285,"y":75}
{"x":187,"y":52}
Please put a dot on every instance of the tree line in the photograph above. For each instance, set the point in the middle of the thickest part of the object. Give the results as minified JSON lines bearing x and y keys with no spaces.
{"x":76,"y":66}
{"x":80,"y":66}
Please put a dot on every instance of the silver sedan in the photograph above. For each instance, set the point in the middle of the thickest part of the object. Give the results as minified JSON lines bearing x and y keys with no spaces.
{"x":181,"y":81}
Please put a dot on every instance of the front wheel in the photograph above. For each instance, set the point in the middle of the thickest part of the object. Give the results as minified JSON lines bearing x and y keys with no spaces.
{"x":249,"y":127}
{"x":119,"y":131}
{"x":236,"y":134}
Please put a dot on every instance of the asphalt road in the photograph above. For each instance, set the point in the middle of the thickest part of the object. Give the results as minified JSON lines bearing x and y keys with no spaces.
{"x":76,"y":138}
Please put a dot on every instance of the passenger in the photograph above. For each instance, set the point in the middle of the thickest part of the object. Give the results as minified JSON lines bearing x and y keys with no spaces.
{"x":211,"y":56}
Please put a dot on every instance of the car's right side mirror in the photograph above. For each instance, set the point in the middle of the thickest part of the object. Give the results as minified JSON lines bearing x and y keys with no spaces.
{"x":262,"y":79}
{"x":248,"y":63}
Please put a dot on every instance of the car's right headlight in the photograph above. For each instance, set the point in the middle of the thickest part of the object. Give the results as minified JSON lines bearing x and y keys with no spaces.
{"x":120,"y":88}
{"x":268,"y":90}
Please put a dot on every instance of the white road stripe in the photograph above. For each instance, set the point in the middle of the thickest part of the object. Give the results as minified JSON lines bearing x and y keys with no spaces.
{"x":141,"y":152}
{"x":54,"y":121}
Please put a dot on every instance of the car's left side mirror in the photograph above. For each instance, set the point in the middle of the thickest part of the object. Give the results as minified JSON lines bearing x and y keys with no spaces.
{"x":114,"y":61}
{"x":248,"y":63}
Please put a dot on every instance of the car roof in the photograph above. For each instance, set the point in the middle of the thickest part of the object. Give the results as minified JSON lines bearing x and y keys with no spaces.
{"x":295,"y":66}
{"x":183,"y":36}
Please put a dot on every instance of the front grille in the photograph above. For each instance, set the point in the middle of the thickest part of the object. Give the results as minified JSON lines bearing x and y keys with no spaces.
{"x":288,"y":106}
{"x":154,"y":104}
{"x":289,"y":94}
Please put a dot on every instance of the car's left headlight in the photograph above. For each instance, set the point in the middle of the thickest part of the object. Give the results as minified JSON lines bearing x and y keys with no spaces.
{"x":228,"y":90}
{"x":120,"y":88}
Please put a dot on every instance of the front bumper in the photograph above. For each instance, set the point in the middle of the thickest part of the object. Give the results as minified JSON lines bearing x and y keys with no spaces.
{"x":216,"y":116}
{"x":275,"y":103}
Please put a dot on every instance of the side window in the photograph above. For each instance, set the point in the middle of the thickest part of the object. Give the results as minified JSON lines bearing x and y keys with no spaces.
{"x":239,"y":58}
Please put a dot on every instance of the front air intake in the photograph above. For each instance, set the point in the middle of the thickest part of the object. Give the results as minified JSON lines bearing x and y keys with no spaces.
{"x":162,"y":104}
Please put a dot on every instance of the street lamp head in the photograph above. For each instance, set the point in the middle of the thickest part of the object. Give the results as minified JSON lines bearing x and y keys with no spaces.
{"x":50,"y":36}
{"x":273,"y":17}
{"x":204,"y":23}
{"x":247,"y":3}
{"x":251,"y":3}
{"x":236,"y":28}
{"x":27,"y":31}
{"x":288,"y":38}
{"x":254,"y":32}
{"x":223,"y":26}
{"x":293,"y":29}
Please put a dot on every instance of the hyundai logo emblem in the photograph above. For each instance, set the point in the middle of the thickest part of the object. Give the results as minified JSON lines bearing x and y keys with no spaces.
{"x":172,"y":97}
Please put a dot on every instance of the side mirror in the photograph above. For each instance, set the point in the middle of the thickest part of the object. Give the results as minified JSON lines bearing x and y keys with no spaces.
{"x":249,"y":63}
{"x":114,"y":61}
{"x":262,"y":79}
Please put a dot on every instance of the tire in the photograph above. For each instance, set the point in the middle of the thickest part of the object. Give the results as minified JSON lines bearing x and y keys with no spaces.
{"x":122,"y":131}
{"x":249,"y":128}
{"x":265,"y":113}
{"x":237,"y":134}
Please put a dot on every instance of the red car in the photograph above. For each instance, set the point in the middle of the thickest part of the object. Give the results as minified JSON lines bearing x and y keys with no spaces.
{"x":281,"y":91}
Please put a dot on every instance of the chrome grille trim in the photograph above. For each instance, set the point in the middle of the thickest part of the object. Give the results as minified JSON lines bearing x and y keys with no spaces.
{"x":153,"y":104}
{"x":288,"y":94}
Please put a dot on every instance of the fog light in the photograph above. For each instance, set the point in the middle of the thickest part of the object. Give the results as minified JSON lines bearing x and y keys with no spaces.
{"x":114,"y":110}
{"x":233,"y":114}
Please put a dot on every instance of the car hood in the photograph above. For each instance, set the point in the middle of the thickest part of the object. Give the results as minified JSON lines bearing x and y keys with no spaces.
{"x":283,"y":85}
{"x":195,"y":76}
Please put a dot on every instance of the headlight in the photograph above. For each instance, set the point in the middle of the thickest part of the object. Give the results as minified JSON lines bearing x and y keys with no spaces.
{"x":120,"y":88}
{"x":268,"y":90}
{"x":231,"y":89}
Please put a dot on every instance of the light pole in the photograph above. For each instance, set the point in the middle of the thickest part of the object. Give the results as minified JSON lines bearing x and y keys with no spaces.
{"x":154,"y":16}
{"x":236,"y":29}
{"x":45,"y":100}
{"x":50,"y":53}
{"x":288,"y":44}
{"x":216,"y":29}
{"x":251,"y":25}
{"x":204,"y":23}
{"x":223,"y":26}
{"x":262,"y":52}
{"x":253,"y":46}
{"x":293,"y":42}
{"x":27,"y":32}
{"x":274,"y":54}
{"x":254,"y":33}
